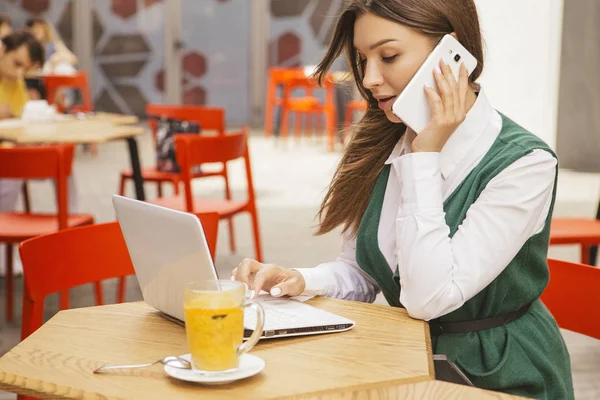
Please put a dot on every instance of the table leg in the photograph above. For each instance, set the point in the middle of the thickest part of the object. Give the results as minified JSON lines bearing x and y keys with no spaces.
{"x":135,"y":167}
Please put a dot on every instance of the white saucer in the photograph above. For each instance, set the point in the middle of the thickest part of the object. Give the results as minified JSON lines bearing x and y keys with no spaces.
{"x":249,"y":365}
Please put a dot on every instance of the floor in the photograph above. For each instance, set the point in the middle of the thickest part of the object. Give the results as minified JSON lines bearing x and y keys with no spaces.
{"x":290,"y":179}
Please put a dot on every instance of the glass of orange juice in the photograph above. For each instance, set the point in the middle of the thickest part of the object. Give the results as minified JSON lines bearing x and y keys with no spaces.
{"x":214,"y":323}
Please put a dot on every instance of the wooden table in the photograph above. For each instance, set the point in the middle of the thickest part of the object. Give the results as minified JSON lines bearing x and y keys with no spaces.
{"x":97,"y":128}
{"x":386,"y":347}
{"x":437,"y":390}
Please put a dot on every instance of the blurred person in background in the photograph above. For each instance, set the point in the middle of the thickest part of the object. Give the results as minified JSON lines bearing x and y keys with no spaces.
{"x":5,"y":26}
{"x":20,"y":52}
{"x":59,"y":61}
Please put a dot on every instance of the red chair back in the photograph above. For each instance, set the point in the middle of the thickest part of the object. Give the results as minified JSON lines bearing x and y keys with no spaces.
{"x":41,"y":162}
{"x":59,"y":261}
{"x":78,"y":80}
{"x":573,"y":295}
{"x":192,"y":150}
{"x":209,"y":118}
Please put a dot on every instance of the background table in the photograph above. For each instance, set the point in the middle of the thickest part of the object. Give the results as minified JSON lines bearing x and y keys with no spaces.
{"x":96,"y":128}
{"x":386,"y":347}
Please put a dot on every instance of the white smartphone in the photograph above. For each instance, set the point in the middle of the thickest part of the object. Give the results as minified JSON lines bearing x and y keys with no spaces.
{"x":412,"y":106}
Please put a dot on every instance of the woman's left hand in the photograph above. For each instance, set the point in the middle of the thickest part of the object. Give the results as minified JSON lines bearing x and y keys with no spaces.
{"x":449,"y":109}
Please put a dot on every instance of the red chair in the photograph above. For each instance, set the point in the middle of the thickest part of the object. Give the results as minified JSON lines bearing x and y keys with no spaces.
{"x":37,"y":162}
{"x":194,"y":150}
{"x":78,"y":81}
{"x":309,"y":105}
{"x":581,"y":231}
{"x":210,"y":119}
{"x":351,"y":108}
{"x":572,"y":296}
{"x":59,"y":261}
{"x":277,"y":77}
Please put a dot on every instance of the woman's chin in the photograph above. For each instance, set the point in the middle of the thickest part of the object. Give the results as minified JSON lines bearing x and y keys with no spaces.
{"x":392,"y":117}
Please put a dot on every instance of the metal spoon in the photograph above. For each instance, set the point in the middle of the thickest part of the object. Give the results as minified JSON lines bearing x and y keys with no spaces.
{"x":172,"y":361}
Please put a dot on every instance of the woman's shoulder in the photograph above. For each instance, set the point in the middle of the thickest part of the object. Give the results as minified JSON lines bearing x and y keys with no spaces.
{"x":513,"y":134}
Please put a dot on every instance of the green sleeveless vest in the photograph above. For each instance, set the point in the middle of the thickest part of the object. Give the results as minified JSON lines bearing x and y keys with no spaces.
{"x":526,"y":357}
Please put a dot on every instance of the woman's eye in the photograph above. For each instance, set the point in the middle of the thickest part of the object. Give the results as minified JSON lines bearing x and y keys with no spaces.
{"x":390,"y":58}
{"x":362,"y":61}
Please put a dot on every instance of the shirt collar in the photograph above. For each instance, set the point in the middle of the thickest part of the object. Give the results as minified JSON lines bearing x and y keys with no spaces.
{"x":461,"y":141}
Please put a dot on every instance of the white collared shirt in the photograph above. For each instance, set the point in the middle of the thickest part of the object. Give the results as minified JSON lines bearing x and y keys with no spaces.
{"x":438,"y":274}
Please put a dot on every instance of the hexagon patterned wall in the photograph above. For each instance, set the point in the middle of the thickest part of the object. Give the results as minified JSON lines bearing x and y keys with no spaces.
{"x":300,"y":30}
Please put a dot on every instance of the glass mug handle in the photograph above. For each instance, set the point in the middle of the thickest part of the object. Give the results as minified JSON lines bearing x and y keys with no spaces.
{"x":256,"y":334}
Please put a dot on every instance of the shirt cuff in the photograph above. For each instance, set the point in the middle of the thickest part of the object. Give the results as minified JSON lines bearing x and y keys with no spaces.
{"x":316,"y":280}
{"x":420,"y":179}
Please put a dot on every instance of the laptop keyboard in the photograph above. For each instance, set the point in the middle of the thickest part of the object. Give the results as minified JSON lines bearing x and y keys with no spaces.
{"x":274,"y":318}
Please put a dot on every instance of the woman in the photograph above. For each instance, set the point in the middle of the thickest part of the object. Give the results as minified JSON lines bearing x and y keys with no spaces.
{"x":453,"y":223}
{"x":60,"y":61}
{"x":57,"y":53}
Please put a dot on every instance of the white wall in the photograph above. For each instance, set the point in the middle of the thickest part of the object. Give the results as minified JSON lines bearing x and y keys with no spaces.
{"x":521,"y":72}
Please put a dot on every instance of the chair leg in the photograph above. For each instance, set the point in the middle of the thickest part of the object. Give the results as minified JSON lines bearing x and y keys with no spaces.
{"x":159,"y":189}
{"x":285,"y":116}
{"x":348,"y":117}
{"x":230,"y":219}
{"x":121,"y":292}
{"x":256,"y":231}
{"x":26,"y":203}
{"x":585,"y":254}
{"x":122,"y":186}
{"x":176,"y":188}
{"x":94,"y":149}
{"x":9,"y":283}
{"x":330,"y":127}
{"x":298,"y":124}
{"x":98,"y":293}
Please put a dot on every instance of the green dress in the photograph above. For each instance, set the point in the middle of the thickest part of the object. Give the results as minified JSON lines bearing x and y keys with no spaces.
{"x":526,"y":357}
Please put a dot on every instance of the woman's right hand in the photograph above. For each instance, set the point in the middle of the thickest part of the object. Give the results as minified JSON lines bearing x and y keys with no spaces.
{"x":279,"y":281}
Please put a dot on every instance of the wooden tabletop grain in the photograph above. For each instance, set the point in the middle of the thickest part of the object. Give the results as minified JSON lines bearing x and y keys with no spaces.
{"x":98,"y":128}
{"x":385,"y":347}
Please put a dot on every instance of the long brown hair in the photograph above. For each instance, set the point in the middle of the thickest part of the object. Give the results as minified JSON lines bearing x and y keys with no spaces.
{"x":374,"y":137}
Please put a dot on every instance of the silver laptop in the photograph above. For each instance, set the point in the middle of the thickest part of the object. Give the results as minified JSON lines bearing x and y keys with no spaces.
{"x":168,"y":249}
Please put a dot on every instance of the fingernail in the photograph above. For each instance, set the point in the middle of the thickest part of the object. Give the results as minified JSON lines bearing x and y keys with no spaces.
{"x":275,"y":291}
{"x":437,"y":70}
{"x":252,"y":293}
{"x":233,"y":277}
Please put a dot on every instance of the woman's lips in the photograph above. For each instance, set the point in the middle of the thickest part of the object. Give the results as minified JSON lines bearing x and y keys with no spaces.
{"x":386,"y":103}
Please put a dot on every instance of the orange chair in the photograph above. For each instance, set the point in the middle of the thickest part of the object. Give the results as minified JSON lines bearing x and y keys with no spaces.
{"x":194,"y":150}
{"x":351,"y":108}
{"x":73,"y":257}
{"x":581,"y":231}
{"x":572,"y":296}
{"x":79,"y":81}
{"x":210,"y":119}
{"x":309,"y":105}
{"x":38,"y":162}
{"x":277,"y":77}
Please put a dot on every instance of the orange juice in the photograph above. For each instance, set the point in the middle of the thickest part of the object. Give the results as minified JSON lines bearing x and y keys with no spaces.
{"x":214,"y":323}
{"x":214,"y":336}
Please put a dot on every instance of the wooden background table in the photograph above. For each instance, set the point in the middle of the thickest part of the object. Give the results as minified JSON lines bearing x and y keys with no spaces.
{"x":96,"y":128}
{"x":385,"y":347}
